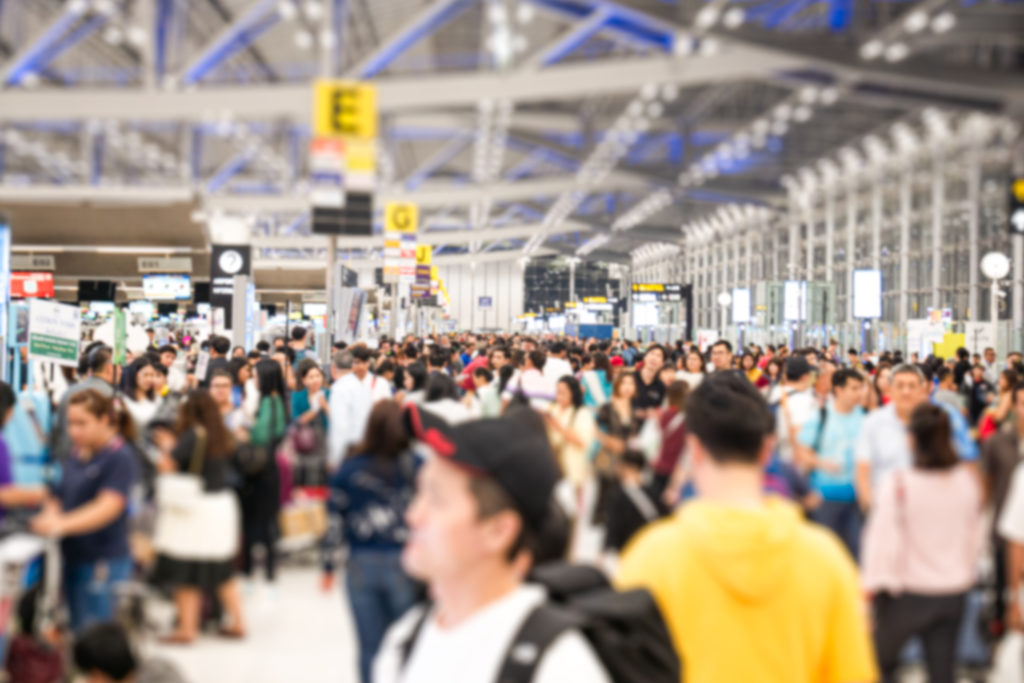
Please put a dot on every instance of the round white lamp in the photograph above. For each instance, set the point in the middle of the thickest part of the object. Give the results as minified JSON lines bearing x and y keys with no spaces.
{"x":995,"y":265}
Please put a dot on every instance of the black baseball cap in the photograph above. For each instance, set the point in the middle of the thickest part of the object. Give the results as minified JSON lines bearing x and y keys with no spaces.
{"x":517,"y":458}
{"x":797,"y":367}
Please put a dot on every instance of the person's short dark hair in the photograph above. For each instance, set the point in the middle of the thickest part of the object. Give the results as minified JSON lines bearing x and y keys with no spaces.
{"x":440,"y":386}
{"x":411,"y":352}
{"x":843,"y":376}
{"x":167,"y":348}
{"x":633,"y":459}
{"x":538,"y":358}
{"x":96,"y":359}
{"x":932,"y":432}
{"x":305,"y":365}
{"x":943,"y":373}
{"x":851,"y":352}
{"x":908,"y":369}
{"x":105,"y":649}
{"x":437,"y":358}
{"x":298,"y":333}
{"x":557,"y":348}
{"x":160,"y":369}
{"x":728,"y":415}
{"x":254,"y":355}
{"x":221,"y":372}
{"x":723,"y":342}
{"x":796,"y":367}
{"x":962,"y":353}
{"x":222,"y":345}
{"x":385,"y":367}
{"x":481,"y":371}
{"x":361,"y":354}
{"x":418,"y":372}
{"x":658,"y":347}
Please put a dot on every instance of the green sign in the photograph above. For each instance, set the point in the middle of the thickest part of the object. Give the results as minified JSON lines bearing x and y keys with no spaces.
{"x":120,"y":336}
{"x":54,"y":331}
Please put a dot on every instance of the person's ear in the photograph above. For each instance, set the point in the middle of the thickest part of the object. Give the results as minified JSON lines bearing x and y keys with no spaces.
{"x":500,"y":531}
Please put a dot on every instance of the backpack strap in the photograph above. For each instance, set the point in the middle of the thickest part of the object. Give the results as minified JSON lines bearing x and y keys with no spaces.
{"x":540,"y":630}
{"x":405,"y":651}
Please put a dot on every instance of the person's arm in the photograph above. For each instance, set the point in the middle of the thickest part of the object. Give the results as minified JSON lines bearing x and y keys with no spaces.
{"x":1014,"y":573}
{"x":96,"y":514}
{"x":862,"y":454}
{"x":14,"y":496}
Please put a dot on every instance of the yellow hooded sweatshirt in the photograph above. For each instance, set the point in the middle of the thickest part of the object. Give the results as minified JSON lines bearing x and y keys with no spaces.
{"x":754,"y":595}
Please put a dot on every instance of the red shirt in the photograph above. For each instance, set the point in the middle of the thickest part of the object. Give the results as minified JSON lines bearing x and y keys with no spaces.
{"x":466,"y":378}
{"x":673,"y":436}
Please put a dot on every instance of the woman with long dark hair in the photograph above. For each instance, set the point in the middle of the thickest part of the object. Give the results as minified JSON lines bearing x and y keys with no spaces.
{"x":370,"y":494}
{"x":597,"y":382}
{"x":415,"y":382}
{"x":260,"y":492}
{"x":692,"y":368}
{"x":139,"y":393}
{"x":617,"y":425}
{"x":310,"y":411}
{"x":571,"y":431}
{"x":921,"y":548}
{"x":204,"y":446}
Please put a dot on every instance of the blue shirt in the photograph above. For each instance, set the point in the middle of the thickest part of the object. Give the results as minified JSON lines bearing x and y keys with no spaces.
{"x":837,"y":444}
{"x":114,"y":468}
{"x":371,"y":496}
{"x":300,"y":404}
{"x":965,"y":446}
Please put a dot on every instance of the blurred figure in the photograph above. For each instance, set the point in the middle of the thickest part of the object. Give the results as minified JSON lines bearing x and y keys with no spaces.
{"x":104,"y":654}
{"x":310,"y":410}
{"x":88,"y":507}
{"x":204,"y":446}
{"x":571,"y":431}
{"x":921,"y":549}
{"x":693,"y":368}
{"x":597,"y":382}
{"x":369,"y":495}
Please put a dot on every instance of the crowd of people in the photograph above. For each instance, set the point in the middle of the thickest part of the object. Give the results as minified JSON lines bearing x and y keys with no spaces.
{"x":796,"y":515}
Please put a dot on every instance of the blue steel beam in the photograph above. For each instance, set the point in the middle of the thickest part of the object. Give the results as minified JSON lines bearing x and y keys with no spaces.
{"x":426,"y":22}
{"x":229,"y":170}
{"x":449,"y":151}
{"x":45,"y":47}
{"x":260,"y":17}
{"x":623,"y":22}
{"x":164,"y":19}
{"x":573,"y":39}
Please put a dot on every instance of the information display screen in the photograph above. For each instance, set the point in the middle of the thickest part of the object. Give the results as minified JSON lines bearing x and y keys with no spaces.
{"x":867,"y":294}
{"x":654,"y":291}
{"x":740,"y":306}
{"x":314,"y":310}
{"x":177,"y":287}
{"x":794,"y":294}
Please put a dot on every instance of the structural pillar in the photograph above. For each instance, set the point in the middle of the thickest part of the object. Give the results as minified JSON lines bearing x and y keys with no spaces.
{"x":973,"y":218}
{"x":938,"y":209}
{"x":906,"y":199}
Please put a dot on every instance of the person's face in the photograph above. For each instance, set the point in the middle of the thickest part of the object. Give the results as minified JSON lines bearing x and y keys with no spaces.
{"x":667,"y":375}
{"x":747,"y":362}
{"x":563,"y":396}
{"x":655,"y":358}
{"x":721,"y":358}
{"x":694,"y":363}
{"x":627,"y":389}
{"x":167,"y":359}
{"x":850,"y":395}
{"x":446,"y":538}
{"x":360,"y":368}
{"x":479,"y":381}
{"x":498,"y":360}
{"x":313,"y":381}
{"x":990,"y":356}
{"x":885,"y":380}
{"x":1018,"y":406}
{"x":239,"y":352}
{"x":408,"y":382}
{"x":159,"y":382}
{"x":220,"y":390}
{"x":529,"y":346}
{"x":86,"y":430}
{"x":977,"y":373}
{"x":144,"y":378}
{"x":907,"y":392}
{"x":279,"y":343}
{"x":1013,"y":359}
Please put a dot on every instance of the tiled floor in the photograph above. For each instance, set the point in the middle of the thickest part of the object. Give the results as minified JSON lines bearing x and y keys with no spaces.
{"x":297,"y":635}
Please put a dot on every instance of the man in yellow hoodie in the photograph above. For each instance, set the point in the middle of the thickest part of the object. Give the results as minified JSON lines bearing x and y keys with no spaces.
{"x":750,"y":591}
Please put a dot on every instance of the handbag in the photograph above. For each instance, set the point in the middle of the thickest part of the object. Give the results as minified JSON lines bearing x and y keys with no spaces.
{"x":303,"y":438}
{"x":194,"y":525}
{"x":252,"y":459}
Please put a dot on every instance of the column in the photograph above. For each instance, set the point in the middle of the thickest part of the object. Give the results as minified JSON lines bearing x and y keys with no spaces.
{"x":851,"y":244}
{"x":809,"y":222}
{"x":794,"y":237}
{"x":749,"y":232}
{"x":973,"y":219}
{"x":905,"y":207}
{"x":830,"y":229}
{"x":876,"y":221}
{"x":938,"y":208}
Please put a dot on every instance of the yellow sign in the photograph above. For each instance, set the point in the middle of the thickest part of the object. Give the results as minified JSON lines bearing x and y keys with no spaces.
{"x":595,"y":300}
{"x":424,"y":254}
{"x":1018,"y":190}
{"x":401,"y":217}
{"x":344,"y":109}
{"x":361,"y":156}
{"x":950,"y":343}
{"x":648,"y":288}
{"x":570,"y":304}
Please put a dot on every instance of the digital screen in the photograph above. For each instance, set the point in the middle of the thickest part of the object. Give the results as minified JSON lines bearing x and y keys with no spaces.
{"x":31,"y":285}
{"x":101,"y":307}
{"x":97,"y":290}
{"x":314,"y":310}
{"x":740,"y":306}
{"x":167,"y":287}
{"x":867,"y":294}
{"x":143,"y":308}
{"x":794,"y":294}
{"x":645,"y":314}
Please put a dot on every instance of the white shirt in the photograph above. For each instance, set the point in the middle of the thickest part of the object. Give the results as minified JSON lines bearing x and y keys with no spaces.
{"x":1011,"y":521}
{"x":350,"y":404}
{"x":536,"y":387}
{"x":449,"y":410}
{"x":883,"y":444}
{"x":556,"y":368}
{"x":800,"y":407}
{"x":474,"y":651}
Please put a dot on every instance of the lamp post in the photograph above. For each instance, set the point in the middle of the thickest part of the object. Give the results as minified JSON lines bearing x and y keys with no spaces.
{"x":725,"y":300}
{"x":995,"y":265}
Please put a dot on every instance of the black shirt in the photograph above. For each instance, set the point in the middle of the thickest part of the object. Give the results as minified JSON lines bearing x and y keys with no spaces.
{"x":219,"y":363}
{"x":960,"y":371}
{"x":648,"y":395}
{"x":214,"y":469}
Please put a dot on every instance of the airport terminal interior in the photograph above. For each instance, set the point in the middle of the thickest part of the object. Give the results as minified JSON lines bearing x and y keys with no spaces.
{"x":714,"y":308}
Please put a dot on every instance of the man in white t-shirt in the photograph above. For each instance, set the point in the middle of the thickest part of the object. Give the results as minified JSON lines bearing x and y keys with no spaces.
{"x":795,"y":403}
{"x":475,"y":525}
{"x":556,"y":366}
{"x":353,"y":396}
{"x":1010,"y":526}
{"x":531,"y":383}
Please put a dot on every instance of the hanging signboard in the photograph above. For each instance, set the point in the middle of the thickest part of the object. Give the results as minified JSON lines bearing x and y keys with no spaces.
{"x":120,"y":336}
{"x":54,"y":331}
{"x":1017,"y":206}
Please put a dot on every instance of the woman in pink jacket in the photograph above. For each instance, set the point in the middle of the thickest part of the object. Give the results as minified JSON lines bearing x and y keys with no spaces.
{"x":921,"y":548}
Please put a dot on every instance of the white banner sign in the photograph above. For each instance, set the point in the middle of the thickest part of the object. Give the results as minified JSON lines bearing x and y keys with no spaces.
{"x":179,"y":264}
{"x":980,"y":336}
{"x":32,"y":262}
{"x":54,"y":331}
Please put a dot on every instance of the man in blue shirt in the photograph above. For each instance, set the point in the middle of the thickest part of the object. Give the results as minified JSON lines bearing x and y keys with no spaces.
{"x":827,"y":444}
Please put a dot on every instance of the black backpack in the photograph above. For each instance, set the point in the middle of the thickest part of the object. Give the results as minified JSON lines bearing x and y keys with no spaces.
{"x":625,"y":629}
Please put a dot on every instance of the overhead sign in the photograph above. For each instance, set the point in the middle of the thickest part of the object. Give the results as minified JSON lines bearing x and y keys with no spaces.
{"x":401,"y":217}
{"x":54,"y":331}
{"x":1017,"y":206}
{"x":327,"y":178}
{"x":651,"y":291}
{"x":26,"y":285}
{"x":32,"y":262}
{"x":120,"y":336}
{"x":794,"y":296}
{"x":424,"y":254}
{"x":179,"y":264}
{"x":227,"y":261}
{"x":740,"y":305}
{"x":344,"y":109}
{"x":162,"y":287}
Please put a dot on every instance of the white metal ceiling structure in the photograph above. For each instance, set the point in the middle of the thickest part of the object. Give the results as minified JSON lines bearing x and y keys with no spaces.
{"x":520,"y":126}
